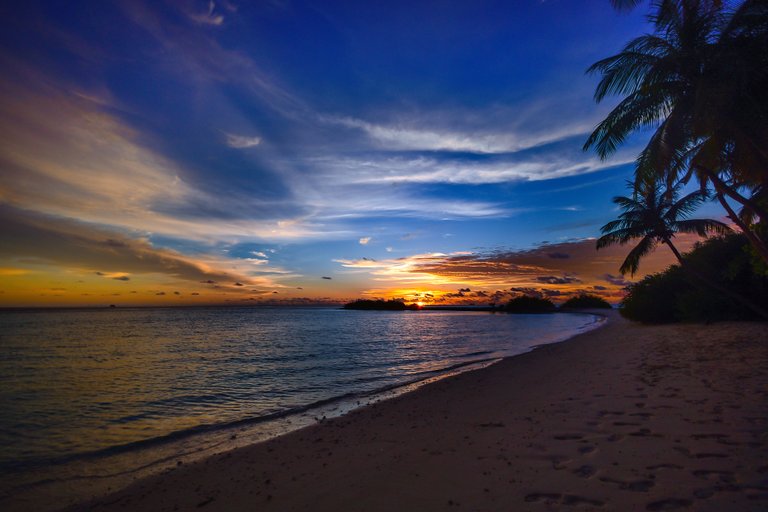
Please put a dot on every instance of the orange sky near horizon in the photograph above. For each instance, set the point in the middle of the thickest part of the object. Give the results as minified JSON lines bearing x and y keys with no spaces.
{"x":117,"y":271}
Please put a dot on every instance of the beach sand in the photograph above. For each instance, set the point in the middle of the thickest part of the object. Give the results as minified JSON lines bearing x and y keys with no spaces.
{"x":626,"y":417}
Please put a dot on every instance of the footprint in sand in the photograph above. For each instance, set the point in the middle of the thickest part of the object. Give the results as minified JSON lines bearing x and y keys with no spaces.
{"x":636,"y":485}
{"x":663,"y":466}
{"x":705,"y":493}
{"x":568,"y":437}
{"x":669,"y":504}
{"x":551,"y":498}
{"x":710,"y":456}
{"x":585,"y":471}
{"x":644,"y":432}
{"x":714,"y":474}
{"x":559,"y":462}
{"x":709,"y":436}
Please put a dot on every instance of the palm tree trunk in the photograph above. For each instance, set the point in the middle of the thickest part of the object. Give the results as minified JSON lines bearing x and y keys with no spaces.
{"x":712,"y":284}
{"x":722,"y":188}
{"x":756,"y":242}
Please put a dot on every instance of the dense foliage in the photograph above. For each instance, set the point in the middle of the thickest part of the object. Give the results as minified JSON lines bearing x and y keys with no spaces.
{"x":676,"y":296}
{"x":585,"y":301}
{"x":389,"y":305}
{"x":525,"y":304}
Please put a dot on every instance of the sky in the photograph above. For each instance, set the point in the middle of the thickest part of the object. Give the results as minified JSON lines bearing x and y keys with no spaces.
{"x":304,"y":152}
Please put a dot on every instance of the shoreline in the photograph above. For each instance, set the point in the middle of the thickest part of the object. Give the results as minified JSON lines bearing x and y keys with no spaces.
{"x":622,"y":417}
{"x":102,"y":471}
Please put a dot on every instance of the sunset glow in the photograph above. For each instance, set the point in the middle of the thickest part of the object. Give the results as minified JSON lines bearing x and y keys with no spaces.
{"x":262,"y":168}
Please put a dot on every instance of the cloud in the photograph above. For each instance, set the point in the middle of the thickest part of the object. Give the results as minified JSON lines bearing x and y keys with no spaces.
{"x":364,"y":240}
{"x":616,"y":280}
{"x":72,"y":157}
{"x":436,"y":168}
{"x":201,"y":58}
{"x":256,"y":261}
{"x":241,"y":141}
{"x":531,"y":271}
{"x":66,"y":142}
{"x":557,"y":280}
{"x":74,"y":244}
{"x":208,"y":17}
{"x":341,"y":197}
{"x":326,"y":277}
{"x":558,"y":255}
{"x":122,"y":278}
{"x":493,"y":129}
{"x":10,"y":271}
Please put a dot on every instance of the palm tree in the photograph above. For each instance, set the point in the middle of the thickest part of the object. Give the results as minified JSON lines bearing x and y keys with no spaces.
{"x":701,"y":79}
{"x":624,"y":5}
{"x":654,"y":215}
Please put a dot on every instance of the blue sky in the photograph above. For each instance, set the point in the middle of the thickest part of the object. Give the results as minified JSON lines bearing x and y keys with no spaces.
{"x":275,"y":143}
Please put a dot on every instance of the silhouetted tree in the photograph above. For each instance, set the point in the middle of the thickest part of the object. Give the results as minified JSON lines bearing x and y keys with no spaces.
{"x":585,"y":301}
{"x":654,"y":215}
{"x":673,"y":296}
{"x":702,"y":80}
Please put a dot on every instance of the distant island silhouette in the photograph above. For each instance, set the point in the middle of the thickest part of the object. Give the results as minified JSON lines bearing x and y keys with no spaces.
{"x":388,"y":305}
{"x":523,"y":305}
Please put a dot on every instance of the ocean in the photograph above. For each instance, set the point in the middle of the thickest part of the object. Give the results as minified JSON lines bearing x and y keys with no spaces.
{"x":89,"y":383}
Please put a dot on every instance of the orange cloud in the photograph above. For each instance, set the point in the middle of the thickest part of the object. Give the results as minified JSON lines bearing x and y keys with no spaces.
{"x":555,"y":271}
{"x":42,"y":251}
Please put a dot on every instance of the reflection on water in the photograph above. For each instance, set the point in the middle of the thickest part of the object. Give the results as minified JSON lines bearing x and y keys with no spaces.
{"x":85,"y":380}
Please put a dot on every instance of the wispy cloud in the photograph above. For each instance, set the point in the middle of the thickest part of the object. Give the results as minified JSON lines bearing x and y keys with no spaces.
{"x":209,"y":17}
{"x":425,"y":168}
{"x":203,"y":59}
{"x":77,"y":245}
{"x":488,"y":139}
{"x":66,"y":156}
{"x":242,"y":141}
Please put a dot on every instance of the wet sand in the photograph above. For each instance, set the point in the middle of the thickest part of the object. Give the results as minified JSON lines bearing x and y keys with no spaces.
{"x":626,"y":417}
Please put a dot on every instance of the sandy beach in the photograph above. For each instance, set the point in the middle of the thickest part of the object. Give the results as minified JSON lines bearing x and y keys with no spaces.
{"x":626,"y":417}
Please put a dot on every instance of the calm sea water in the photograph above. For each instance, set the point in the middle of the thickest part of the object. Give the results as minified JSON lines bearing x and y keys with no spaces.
{"x":81,"y":381}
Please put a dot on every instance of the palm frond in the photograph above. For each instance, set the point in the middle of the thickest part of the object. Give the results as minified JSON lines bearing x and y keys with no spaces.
{"x":686,"y":205}
{"x":624,"y":5}
{"x":636,"y":111}
{"x":619,"y":237}
{"x":702,"y":227}
{"x":632,"y":261}
{"x":631,"y":69}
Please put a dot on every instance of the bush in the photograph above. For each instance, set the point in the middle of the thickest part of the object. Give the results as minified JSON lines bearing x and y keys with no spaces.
{"x":585,"y":301}
{"x":675,"y":296}
{"x":526,"y":304}
{"x":654,"y":298}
